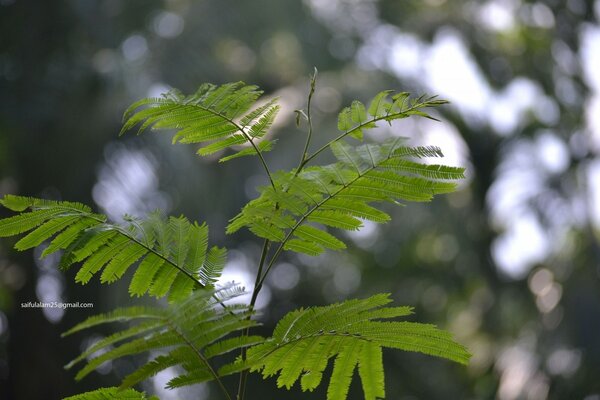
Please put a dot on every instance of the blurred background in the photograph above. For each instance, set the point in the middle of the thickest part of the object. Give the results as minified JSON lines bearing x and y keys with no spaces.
{"x":510,"y":263}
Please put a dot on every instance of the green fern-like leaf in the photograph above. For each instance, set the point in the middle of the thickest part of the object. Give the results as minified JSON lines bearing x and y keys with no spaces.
{"x":343,"y":194}
{"x":300,"y":210}
{"x":171,"y":255}
{"x":189,"y":333}
{"x":354,"y":120}
{"x":216,"y":116}
{"x":112,"y":393}
{"x":351,"y":332}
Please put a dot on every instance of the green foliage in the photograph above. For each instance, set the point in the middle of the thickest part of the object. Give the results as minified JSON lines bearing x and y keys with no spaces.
{"x":297,"y":210}
{"x":355,"y":119}
{"x":171,"y":255}
{"x":305,"y":339}
{"x":215,"y":114}
{"x":190,"y":334}
{"x":112,"y":394}
{"x":340,"y":195}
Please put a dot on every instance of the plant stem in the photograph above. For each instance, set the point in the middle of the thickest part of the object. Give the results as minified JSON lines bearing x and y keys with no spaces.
{"x":257,"y":282}
{"x":260,"y":278}
{"x":313,"y":82}
{"x":306,"y":215}
{"x":255,"y":291}
{"x":259,"y":274}
{"x":259,"y":153}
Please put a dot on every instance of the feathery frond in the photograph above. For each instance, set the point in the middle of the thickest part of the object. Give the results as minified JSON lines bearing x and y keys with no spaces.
{"x":304,"y":340}
{"x":299,"y":210}
{"x":340,"y":195}
{"x":216,"y":116}
{"x":189,"y":333}
{"x":355,"y":119}
{"x":171,"y":255}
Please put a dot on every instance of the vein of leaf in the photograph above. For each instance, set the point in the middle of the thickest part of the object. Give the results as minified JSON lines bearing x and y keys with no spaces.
{"x":366,"y":339}
{"x":290,"y":349}
{"x":139,"y":226}
{"x":370,"y":155}
{"x":291,"y":325}
{"x":324,"y":311}
{"x":444,"y":347}
{"x":324,"y":185}
{"x":379,"y":101}
{"x":318,"y":334}
{"x":308,"y":194}
{"x":340,"y":176}
{"x":317,"y":315}
{"x":75,"y":211}
{"x":356,"y":166}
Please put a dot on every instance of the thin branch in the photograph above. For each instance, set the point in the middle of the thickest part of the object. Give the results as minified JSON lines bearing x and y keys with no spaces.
{"x":313,"y":209}
{"x":263,"y":257}
{"x":255,"y":291}
{"x":313,"y":82}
